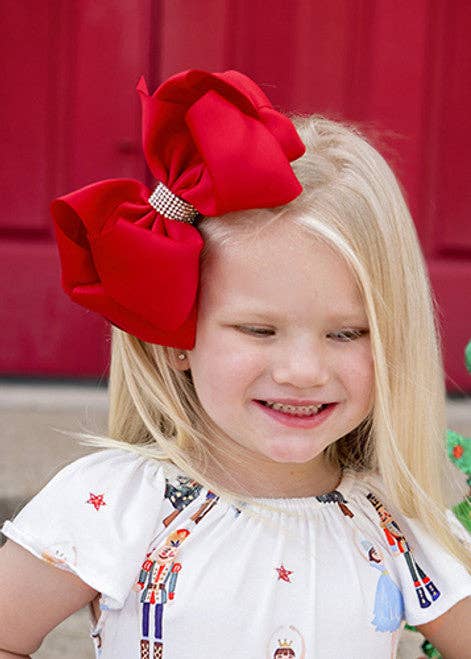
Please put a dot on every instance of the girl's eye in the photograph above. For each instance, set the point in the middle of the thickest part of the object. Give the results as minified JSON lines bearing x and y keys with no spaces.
{"x":343,"y":335}
{"x":256,"y":331}
{"x":349,"y":335}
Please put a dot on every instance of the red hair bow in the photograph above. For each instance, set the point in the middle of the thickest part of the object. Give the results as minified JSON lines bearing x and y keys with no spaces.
{"x":217,"y":143}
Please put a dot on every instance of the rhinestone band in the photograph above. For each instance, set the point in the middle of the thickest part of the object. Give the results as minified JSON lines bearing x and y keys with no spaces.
{"x":172,"y":207}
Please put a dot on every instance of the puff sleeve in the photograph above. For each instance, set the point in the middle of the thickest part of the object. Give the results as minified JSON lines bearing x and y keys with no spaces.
{"x":441,"y":580}
{"x":95,"y":518}
{"x":430,"y":579}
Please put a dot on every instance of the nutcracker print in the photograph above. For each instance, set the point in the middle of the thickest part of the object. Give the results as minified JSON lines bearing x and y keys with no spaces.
{"x":209,"y":503}
{"x":180,"y":493}
{"x":398,"y":545}
{"x":157,"y":581}
{"x":160,"y":570}
{"x":336,"y":497}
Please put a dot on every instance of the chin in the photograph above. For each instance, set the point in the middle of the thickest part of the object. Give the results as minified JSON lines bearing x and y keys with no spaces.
{"x":289,"y":456}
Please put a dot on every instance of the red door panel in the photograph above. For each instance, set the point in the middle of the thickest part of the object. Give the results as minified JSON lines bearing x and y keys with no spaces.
{"x":70,"y":116}
{"x":50,"y":336}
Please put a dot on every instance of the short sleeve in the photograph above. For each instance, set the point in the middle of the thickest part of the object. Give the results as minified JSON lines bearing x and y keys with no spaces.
{"x":95,"y":518}
{"x":432,"y":579}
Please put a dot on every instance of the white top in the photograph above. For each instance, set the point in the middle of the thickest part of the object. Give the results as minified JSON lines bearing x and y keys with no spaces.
{"x":185,"y":574}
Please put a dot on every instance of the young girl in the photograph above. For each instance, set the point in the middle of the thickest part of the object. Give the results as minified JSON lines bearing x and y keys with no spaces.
{"x":271,"y":485}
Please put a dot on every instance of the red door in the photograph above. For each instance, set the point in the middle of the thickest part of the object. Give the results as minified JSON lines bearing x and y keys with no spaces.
{"x":71,"y":116}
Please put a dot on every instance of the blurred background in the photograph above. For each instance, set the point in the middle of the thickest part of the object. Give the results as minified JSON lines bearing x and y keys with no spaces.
{"x":400,"y":69}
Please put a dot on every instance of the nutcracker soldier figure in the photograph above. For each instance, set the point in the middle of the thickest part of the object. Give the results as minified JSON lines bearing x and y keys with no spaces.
{"x":398,"y":545}
{"x":157,"y":581}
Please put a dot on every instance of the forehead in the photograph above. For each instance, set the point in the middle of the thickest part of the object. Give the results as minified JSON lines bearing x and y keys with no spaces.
{"x":281,"y":269}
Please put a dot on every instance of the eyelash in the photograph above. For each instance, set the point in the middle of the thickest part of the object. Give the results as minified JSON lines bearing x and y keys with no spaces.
{"x":352,"y":335}
{"x":348,"y":335}
{"x":258,"y":331}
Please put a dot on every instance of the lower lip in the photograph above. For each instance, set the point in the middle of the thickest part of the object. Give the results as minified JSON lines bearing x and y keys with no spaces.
{"x":297,"y":421}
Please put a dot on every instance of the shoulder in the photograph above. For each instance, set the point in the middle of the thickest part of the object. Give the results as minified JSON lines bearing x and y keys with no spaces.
{"x":111,"y":464}
{"x":105,"y":481}
{"x":431,"y":579}
{"x":370,"y":490}
{"x":370,"y":494}
{"x":101,"y":485}
{"x":108,"y":500}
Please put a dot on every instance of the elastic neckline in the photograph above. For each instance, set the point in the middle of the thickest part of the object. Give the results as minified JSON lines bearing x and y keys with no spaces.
{"x":347,"y":481}
{"x":345,"y":486}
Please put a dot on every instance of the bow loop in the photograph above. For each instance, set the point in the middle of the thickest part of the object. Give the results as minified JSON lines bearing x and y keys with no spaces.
{"x":193,"y":134}
{"x":123,"y":260}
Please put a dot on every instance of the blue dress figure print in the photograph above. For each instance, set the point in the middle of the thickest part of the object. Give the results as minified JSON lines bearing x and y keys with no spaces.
{"x":389,"y":603}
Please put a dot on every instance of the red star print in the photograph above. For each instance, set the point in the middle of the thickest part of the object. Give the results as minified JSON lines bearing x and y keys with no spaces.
{"x":283,"y":573}
{"x":97,"y":500}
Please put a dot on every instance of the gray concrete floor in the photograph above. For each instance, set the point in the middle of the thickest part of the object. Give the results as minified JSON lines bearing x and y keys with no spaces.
{"x":35,"y":421}
{"x":34,"y":445}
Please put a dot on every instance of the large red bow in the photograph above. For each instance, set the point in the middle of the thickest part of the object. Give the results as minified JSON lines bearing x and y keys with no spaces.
{"x":215,"y":140}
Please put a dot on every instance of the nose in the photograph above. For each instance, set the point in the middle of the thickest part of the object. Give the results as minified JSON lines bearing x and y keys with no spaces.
{"x":302,"y":364}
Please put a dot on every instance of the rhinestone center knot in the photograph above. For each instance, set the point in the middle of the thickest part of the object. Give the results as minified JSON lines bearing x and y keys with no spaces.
{"x":167,"y":203}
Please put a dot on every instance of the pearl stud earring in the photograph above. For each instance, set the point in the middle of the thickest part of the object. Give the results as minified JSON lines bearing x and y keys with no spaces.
{"x":181,"y":355}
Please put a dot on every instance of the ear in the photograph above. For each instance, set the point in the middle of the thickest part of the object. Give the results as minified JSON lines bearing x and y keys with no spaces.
{"x":178,"y":359}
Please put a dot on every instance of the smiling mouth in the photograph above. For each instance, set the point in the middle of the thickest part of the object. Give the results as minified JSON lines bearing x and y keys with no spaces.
{"x":295,"y":410}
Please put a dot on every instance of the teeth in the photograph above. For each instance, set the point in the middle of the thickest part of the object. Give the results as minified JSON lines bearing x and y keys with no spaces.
{"x":300,"y":410}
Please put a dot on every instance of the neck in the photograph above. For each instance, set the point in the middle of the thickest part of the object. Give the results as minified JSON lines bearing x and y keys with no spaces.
{"x":268,"y":479}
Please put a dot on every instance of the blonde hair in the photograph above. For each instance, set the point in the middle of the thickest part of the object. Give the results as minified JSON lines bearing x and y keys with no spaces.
{"x":352,"y":201}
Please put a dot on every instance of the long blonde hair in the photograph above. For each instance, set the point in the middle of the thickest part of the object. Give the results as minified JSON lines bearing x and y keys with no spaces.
{"x":352,"y":200}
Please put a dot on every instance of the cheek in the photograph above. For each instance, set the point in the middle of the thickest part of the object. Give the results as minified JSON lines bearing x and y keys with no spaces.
{"x":223,"y":373}
{"x":358,"y":372}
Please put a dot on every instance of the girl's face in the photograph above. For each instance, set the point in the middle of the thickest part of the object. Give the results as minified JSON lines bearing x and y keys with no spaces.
{"x":281,"y":320}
